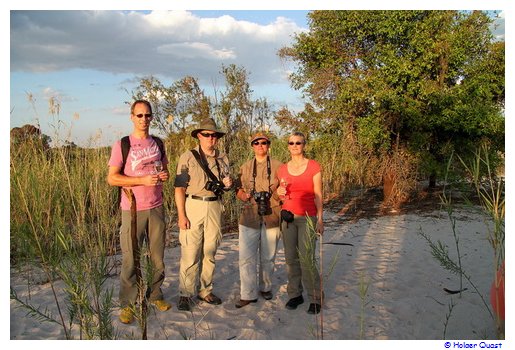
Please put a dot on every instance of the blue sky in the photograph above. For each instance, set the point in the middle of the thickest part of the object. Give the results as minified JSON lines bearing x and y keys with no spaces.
{"x":90,"y":61}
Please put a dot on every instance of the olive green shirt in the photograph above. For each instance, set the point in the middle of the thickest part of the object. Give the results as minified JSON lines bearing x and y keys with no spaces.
{"x":191,"y":175}
{"x":249,"y":216}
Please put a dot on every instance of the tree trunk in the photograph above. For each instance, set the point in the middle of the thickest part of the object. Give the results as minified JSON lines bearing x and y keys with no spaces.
{"x":388,"y":184}
{"x":432,"y":181}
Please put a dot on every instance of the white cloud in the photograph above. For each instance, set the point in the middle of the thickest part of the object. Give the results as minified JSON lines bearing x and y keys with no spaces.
{"x":196,"y":50}
{"x":172,"y":44}
{"x":49,"y":93}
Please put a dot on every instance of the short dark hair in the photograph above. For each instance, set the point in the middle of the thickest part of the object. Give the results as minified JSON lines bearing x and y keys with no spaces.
{"x":145,"y":102}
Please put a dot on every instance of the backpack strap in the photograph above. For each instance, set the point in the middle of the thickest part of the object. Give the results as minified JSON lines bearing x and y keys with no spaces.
{"x":126,"y":146}
{"x":161,"y":146}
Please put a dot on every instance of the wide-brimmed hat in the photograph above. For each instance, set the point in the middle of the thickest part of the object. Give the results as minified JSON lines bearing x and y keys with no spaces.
{"x":259,"y":136}
{"x":209,"y":125}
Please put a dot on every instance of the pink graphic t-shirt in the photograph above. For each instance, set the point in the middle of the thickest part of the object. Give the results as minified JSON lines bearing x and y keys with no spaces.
{"x":140,"y":162}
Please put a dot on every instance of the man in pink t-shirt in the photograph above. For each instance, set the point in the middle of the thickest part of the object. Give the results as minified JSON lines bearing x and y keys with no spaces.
{"x":143,"y":174}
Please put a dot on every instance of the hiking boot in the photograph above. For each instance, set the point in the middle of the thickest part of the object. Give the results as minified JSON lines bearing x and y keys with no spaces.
{"x":267,"y":295}
{"x":314,"y":308}
{"x":185,"y":304}
{"x":126,"y":315}
{"x":211,"y":299}
{"x":161,"y":305}
{"x":294,"y":302}
{"x":241,"y":303}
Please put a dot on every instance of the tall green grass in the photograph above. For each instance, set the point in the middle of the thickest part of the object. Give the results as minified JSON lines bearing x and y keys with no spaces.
{"x":62,"y":222}
{"x":489,"y":188}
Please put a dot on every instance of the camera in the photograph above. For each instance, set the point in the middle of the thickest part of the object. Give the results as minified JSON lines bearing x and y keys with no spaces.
{"x":216,"y":187}
{"x":263,"y":201}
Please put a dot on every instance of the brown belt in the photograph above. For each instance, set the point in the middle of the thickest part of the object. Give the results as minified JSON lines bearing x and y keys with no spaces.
{"x":200,"y":198}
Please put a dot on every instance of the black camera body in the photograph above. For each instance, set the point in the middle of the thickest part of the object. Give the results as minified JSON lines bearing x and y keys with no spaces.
{"x":216,"y":187}
{"x":263,"y":201}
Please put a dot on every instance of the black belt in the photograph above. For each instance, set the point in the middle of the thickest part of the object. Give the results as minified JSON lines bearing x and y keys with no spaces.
{"x":200,"y":198}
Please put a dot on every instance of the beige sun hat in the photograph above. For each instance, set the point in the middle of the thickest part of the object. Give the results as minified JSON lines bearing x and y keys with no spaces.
{"x":259,"y":136}
{"x":209,"y":125}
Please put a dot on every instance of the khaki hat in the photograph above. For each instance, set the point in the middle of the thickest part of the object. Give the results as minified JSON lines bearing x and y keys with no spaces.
{"x":209,"y":125}
{"x":259,"y":136}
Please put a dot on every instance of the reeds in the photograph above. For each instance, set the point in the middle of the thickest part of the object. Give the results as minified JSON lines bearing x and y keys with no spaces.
{"x":62,"y":221}
{"x":314,"y":265}
{"x":490,"y":190}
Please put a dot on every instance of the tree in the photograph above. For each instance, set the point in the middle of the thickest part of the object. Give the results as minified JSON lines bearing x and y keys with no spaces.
{"x":180,"y":107}
{"x":177,"y":108}
{"x":29,"y":134}
{"x":417,"y":83}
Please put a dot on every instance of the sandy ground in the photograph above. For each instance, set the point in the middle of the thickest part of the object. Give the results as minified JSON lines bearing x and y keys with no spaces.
{"x":404,"y":300}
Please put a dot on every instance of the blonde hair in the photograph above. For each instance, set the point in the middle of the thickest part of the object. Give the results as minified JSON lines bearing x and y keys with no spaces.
{"x":299,"y":134}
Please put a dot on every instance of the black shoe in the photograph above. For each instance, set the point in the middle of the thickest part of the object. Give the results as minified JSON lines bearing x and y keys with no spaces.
{"x":266,"y":295}
{"x":314,"y":308}
{"x":241,"y":303}
{"x":294,"y":302}
{"x":211,"y":299}
{"x":185,"y":304}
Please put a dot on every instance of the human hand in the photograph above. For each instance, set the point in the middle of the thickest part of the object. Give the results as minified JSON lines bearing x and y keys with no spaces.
{"x":164,"y":175}
{"x":150,"y":180}
{"x":227,"y":182}
{"x":244,"y":194}
{"x":184,"y":223}
{"x":320,"y":227}
{"x":283,"y":186}
{"x":281,"y":191}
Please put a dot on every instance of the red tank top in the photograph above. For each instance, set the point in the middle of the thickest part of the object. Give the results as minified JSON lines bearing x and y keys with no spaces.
{"x":300,"y":196}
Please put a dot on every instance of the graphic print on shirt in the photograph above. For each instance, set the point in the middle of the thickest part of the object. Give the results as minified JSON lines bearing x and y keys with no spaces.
{"x":140,"y":155}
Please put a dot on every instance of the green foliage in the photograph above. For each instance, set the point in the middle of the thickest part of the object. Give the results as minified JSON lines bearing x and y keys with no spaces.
{"x":62,"y":220}
{"x":448,"y":317}
{"x":310,"y":263}
{"x":59,"y":191}
{"x":363,"y":291}
{"x":490,"y":190}
{"x":33,"y":311}
{"x":372,"y":134}
{"x":428,"y":81}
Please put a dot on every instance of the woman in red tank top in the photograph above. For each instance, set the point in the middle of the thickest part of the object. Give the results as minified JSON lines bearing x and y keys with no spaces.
{"x":301,"y":193}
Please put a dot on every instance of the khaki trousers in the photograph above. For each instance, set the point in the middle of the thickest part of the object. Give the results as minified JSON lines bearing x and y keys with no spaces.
{"x":299,"y":252}
{"x":198,"y":247}
{"x":257,"y":248}
{"x":153,"y":222}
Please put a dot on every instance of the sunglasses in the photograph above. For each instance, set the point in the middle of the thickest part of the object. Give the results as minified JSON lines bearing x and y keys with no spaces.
{"x":295,"y":143}
{"x":206,"y":134}
{"x":262,"y":143}
{"x":147,"y":115}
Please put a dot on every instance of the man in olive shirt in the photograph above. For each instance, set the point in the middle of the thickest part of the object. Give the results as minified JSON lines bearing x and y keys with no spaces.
{"x":259,"y":229}
{"x":199,"y":211}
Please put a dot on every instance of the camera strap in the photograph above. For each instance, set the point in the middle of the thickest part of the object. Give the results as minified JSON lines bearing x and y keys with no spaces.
{"x":268,"y":171}
{"x":201,"y":159}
